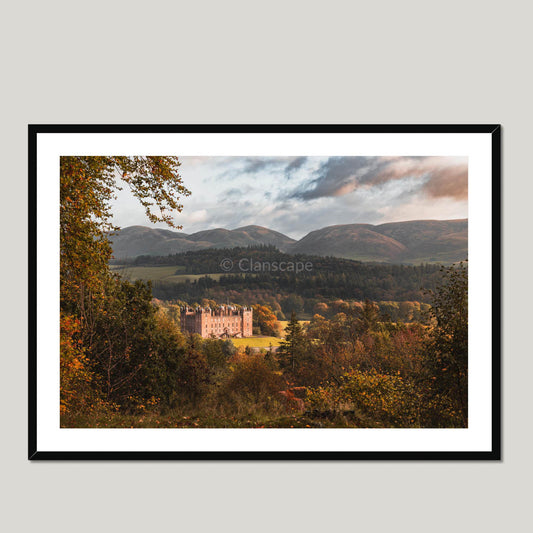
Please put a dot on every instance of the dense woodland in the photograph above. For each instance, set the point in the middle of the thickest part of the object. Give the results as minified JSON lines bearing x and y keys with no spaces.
{"x":126,"y":363}
{"x":328,"y":279}
{"x":400,"y":291}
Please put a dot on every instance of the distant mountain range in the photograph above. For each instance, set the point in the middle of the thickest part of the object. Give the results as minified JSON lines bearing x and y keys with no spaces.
{"x":432,"y":241}
{"x":140,"y":240}
{"x":416,"y":241}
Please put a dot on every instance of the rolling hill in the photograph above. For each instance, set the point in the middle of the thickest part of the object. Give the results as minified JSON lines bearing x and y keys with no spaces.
{"x":417,"y":241}
{"x":140,"y":240}
{"x":352,"y":241}
{"x":432,"y":241}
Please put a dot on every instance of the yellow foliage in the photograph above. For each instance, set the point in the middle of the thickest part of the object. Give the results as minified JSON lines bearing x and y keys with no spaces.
{"x":77,"y":387}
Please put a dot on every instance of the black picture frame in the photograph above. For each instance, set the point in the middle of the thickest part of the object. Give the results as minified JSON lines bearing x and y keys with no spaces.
{"x":496,"y":412}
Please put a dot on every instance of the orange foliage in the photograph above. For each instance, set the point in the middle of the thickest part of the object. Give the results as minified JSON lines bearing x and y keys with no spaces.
{"x":76,"y":380}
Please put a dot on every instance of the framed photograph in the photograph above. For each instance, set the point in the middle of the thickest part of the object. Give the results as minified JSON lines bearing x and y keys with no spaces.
{"x":264,"y":292}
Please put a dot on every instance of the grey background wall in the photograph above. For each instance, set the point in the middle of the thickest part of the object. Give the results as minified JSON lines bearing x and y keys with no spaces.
{"x":266,"y":62}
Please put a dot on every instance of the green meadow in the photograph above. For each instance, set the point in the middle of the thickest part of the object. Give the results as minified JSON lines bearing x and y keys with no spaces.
{"x":159,"y":273}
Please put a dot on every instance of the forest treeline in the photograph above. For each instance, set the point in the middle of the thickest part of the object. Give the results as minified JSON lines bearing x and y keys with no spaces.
{"x":126,"y":363}
{"x":402,"y":290}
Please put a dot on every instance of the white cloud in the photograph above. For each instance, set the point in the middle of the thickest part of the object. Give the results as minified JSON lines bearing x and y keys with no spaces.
{"x":235,"y":191}
{"x":197,"y":216}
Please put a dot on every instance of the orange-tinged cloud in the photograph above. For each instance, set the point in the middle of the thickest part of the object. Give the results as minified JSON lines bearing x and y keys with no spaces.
{"x":438,"y":176}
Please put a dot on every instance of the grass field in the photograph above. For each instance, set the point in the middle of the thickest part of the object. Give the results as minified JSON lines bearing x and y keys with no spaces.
{"x":180,"y":278}
{"x":256,"y":342}
{"x":264,"y":342}
{"x":158,"y":273}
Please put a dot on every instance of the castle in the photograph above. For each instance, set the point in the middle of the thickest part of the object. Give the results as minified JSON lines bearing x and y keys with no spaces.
{"x":223,"y":322}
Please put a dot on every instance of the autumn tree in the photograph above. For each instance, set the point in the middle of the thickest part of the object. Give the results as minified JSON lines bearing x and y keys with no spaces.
{"x":266,"y":320}
{"x":252,"y":378}
{"x":294,"y":349}
{"x":158,"y":379}
{"x":447,"y":359}
{"x":218,"y":352}
{"x":329,"y":356}
{"x":112,"y":321}
{"x":374,"y":398}
{"x":194,"y":375}
{"x":77,"y":385}
{"x":87,"y":187}
{"x":367,"y":317}
{"x":321,"y":308}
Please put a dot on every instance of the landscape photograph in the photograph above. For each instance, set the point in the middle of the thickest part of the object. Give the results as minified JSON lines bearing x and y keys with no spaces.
{"x":263,"y":292}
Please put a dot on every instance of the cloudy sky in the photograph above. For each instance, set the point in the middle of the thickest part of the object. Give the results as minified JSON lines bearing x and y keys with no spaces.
{"x":295,"y":195}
